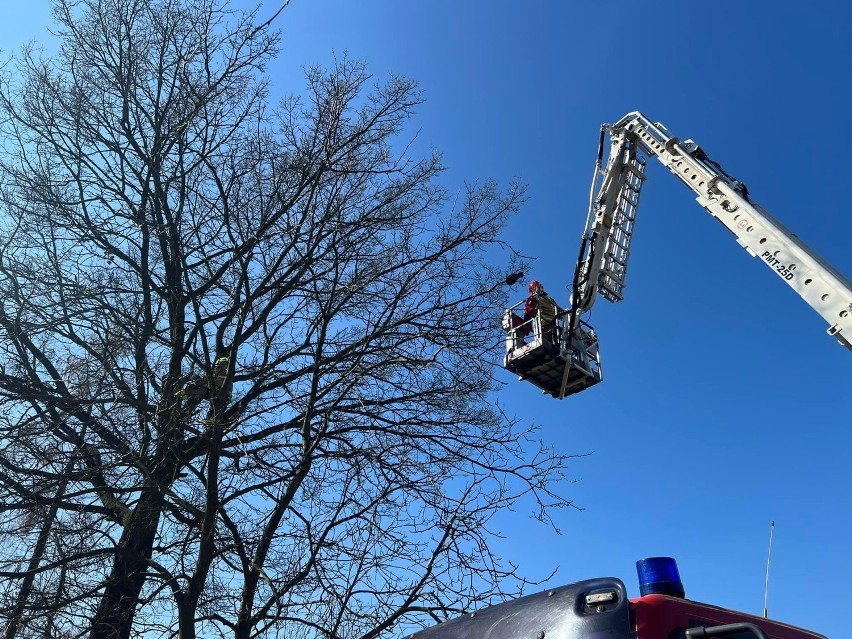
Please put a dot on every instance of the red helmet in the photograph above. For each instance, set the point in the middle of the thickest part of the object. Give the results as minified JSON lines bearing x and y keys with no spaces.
{"x":535,"y":287}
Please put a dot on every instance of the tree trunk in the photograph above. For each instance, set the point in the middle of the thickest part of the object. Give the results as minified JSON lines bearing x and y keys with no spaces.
{"x":114,"y":617}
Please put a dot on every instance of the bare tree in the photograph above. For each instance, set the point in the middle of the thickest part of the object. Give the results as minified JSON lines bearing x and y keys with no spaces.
{"x":246,"y":353}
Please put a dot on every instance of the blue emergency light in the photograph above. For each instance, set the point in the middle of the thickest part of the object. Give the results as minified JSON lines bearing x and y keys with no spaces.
{"x":659,"y":576}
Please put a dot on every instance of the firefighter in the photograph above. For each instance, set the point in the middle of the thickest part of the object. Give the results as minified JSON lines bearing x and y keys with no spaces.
{"x":199,"y":387}
{"x":222,"y":380}
{"x":540,"y":302}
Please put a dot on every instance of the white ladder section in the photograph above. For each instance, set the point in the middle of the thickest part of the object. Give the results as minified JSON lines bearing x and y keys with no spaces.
{"x":613,"y":271}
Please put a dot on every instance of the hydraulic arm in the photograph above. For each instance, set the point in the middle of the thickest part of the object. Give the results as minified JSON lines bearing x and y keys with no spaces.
{"x":563,"y":358}
{"x":605,"y":249}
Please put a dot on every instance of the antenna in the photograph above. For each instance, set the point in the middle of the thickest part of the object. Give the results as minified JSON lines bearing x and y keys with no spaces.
{"x":768,"y":559}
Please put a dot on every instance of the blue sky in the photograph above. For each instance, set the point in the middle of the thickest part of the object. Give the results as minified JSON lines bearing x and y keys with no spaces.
{"x":725,"y":404}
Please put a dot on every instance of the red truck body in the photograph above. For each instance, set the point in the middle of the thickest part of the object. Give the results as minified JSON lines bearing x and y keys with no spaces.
{"x":657,"y":616}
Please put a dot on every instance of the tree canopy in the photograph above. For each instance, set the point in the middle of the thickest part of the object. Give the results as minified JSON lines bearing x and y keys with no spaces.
{"x":246,"y":352}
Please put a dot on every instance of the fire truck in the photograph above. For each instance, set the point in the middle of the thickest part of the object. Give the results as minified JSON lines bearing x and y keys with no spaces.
{"x":601,"y":609}
{"x":561,"y":355}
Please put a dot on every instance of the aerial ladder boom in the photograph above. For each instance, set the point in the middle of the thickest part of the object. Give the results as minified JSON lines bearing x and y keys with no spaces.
{"x":609,"y":226}
{"x":565,"y":359}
